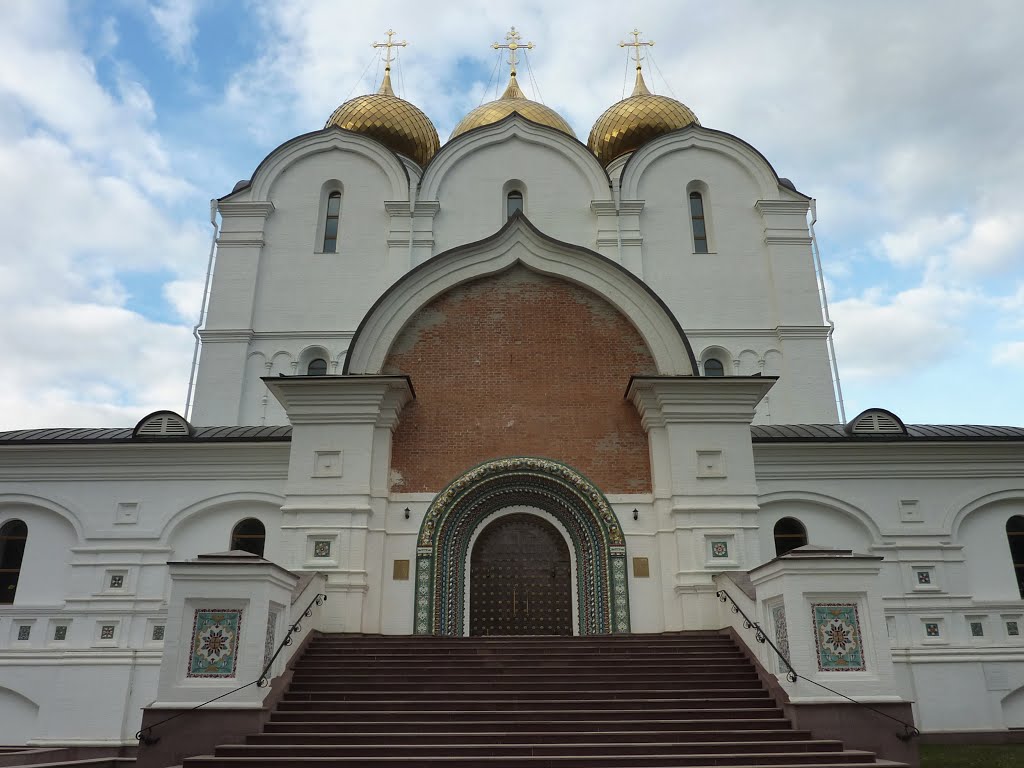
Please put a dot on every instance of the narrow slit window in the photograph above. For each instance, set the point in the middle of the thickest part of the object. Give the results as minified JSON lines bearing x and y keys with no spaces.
{"x":514,"y":202}
{"x":714,"y":367}
{"x":331,"y":222}
{"x":317,"y":367}
{"x":13,"y":537}
{"x":1015,"y":537}
{"x":790,"y":533}
{"x":700,"y":233}
{"x":249,"y":536}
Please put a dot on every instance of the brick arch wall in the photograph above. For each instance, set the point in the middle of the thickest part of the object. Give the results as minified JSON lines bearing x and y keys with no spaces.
{"x":520,"y":364}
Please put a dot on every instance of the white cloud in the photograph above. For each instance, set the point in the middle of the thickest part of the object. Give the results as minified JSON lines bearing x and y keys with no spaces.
{"x":176,"y":20}
{"x":879,"y":336}
{"x":1010,"y":353}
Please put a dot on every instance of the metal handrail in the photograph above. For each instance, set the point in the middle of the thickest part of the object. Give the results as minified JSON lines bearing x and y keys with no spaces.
{"x":909,"y":731}
{"x":145,"y":736}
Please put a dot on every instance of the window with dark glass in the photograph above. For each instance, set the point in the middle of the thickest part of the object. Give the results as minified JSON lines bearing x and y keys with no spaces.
{"x":713,"y":367}
{"x":514,"y":202}
{"x":317,"y":367}
{"x":1015,"y":535}
{"x":13,"y":535}
{"x":331,"y":223}
{"x":249,"y":536}
{"x":700,"y":233}
{"x":789,"y":534}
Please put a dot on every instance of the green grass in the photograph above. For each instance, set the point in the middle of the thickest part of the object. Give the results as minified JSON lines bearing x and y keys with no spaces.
{"x":960,"y":756}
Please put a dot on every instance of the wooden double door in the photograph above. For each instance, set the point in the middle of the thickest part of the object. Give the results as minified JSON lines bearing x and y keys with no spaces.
{"x":519,"y":581}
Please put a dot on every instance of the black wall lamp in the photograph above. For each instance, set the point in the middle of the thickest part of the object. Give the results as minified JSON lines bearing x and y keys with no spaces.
{"x":636,"y":514}
{"x":406,"y":513}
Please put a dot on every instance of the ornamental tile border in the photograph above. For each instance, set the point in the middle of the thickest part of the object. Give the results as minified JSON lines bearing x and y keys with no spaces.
{"x":214,"y":649}
{"x":461,"y":508}
{"x":778,"y":616}
{"x":268,"y":643}
{"x":837,"y":637}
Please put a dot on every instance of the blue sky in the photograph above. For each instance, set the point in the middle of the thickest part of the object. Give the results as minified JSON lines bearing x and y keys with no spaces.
{"x":119,"y":120}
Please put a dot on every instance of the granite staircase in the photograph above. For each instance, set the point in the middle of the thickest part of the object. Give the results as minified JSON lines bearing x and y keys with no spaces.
{"x":690,"y":699}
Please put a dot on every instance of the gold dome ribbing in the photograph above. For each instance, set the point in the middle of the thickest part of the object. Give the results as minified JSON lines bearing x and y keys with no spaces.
{"x":632,"y":122}
{"x":512,"y":100}
{"x":400,"y":126}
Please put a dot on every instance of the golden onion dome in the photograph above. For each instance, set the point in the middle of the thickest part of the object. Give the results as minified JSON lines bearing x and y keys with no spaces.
{"x":512,"y":100}
{"x":400,"y":126}
{"x":632,"y":122}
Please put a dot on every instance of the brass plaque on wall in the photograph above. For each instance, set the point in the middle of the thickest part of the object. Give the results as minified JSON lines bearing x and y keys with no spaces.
{"x":641,"y":567}
{"x":401,"y":570}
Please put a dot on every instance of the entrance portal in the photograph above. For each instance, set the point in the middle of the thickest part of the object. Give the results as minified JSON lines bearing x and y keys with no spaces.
{"x":519,"y":579}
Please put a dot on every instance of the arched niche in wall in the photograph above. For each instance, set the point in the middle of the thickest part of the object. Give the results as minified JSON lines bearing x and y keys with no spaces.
{"x":828,"y":521}
{"x":18,"y":717}
{"x":52,"y":533}
{"x":988,"y":553}
{"x":207,"y":526}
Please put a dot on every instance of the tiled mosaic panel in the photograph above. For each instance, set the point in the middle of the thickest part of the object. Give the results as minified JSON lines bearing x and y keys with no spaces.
{"x":117,"y":581}
{"x":977,"y":629}
{"x":24,"y":631}
{"x":837,"y":637}
{"x":107,"y":632}
{"x":931,"y":629}
{"x":158,"y":632}
{"x":778,"y":614}
{"x":214,"y":651}
{"x":60,"y":633}
{"x":1012,"y":629}
{"x":322,"y":548}
{"x":719,"y":549}
{"x":924,"y":577}
{"x":268,"y":643}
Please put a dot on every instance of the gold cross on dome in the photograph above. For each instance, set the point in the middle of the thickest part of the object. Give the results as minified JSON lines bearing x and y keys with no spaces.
{"x":513,"y":45}
{"x":636,"y":45}
{"x":389,"y":45}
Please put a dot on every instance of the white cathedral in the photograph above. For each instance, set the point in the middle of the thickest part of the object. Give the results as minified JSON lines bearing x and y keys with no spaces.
{"x":514,"y":369}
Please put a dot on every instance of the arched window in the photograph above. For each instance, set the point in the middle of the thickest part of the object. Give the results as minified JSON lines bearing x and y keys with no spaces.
{"x":317,"y":367}
{"x":789,"y":534}
{"x":514,"y":202}
{"x":331,"y":222}
{"x":249,"y":536}
{"x":700,"y":233}
{"x":713,"y":367}
{"x":13,"y":535}
{"x":1015,"y":535}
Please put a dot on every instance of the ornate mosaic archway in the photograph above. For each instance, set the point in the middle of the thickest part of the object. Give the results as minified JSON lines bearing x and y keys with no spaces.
{"x":442,"y":551}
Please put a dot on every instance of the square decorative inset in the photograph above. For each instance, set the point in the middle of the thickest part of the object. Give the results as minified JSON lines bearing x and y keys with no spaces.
{"x":931,"y":629}
{"x":977,"y":629}
{"x":1012,"y":629}
{"x":214,"y":651}
{"x":107,"y":631}
{"x":60,"y":633}
{"x":641,"y":568}
{"x":710,"y":464}
{"x":778,"y":614}
{"x":327,"y":464}
{"x":322,"y":548}
{"x":837,"y":637}
{"x":117,"y":581}
{"x":24,"y":631}
{"x":400,"y":570}
{"x":158,"y":632}
{"x":719,"y":549}
{"x":268,"y":642}
{"x":924,"y":577}
{"x":126,"y":513}
{"x":910,"y":511}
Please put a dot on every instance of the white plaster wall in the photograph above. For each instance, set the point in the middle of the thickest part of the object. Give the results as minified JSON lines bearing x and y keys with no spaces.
{"x":990,"y":573}
{"x":557,"y":198}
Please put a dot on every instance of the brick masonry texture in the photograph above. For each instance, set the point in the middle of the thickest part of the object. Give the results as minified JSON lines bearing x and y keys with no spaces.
{"x":520,"y":364}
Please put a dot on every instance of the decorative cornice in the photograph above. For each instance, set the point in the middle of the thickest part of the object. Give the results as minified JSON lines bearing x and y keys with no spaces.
{"x":603,"y":207}
{"x":661,"y":400}
{"x":222,"y":335}
{"x":241,"y":208}
{"x":374,"y":400}
{"x":427,"y":208}
{"x":803,"y":331}
{"x":398,"y":208}
{"x":785,"y":207}
{"x":227,"y":241}
{"x":631,"y":207}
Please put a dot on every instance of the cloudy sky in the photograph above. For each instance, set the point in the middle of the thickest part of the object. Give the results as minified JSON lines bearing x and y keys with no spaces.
{"x":120,"y":119}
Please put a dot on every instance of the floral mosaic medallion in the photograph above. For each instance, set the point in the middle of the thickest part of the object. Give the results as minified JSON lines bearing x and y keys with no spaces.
{"x":931,"y":629}
{"x":214,"y":651}
{"x":778,"y":613}
{"x":837,"y":637}
{"x":322,"y":548}
{"x":719,"y":549}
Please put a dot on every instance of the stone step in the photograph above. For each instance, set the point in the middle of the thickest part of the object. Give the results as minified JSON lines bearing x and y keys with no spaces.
{"x":295,"y":723}
{"x":335,"y":693}
{"x":518,"y":713}
{"x":571,"y":736}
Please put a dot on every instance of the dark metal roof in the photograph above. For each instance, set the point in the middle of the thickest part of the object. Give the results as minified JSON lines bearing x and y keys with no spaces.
{"x":816,"y":433}
{"x":67,"y":436}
